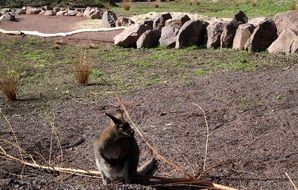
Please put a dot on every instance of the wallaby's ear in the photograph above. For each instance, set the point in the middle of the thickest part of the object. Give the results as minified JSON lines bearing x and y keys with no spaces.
{"x":115,"y":119}
{"x":119,"y":114}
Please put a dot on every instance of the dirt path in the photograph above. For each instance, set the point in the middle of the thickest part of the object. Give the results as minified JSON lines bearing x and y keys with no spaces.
{"x":56,"y":24}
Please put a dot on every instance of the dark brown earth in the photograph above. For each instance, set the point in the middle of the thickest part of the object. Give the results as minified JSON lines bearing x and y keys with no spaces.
{"x":252,"y":117}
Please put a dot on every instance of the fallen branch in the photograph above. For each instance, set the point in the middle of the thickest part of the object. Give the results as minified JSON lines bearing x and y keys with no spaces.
{"x":207,"y":138}
{"x":50,"y":168}
{"x":62,"y":34}
{"x":291,"y":181}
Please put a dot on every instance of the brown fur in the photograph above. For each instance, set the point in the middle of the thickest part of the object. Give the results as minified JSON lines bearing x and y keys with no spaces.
{"x":117,"y":152}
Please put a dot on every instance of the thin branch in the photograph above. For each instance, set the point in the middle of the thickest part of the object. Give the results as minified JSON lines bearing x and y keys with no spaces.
{"x":50,"y":168}
{"x":12,"y":130}
{"x":57,"y":136}
{"x":186,"y":159}
{"x":291,"y":181}
{"x":207,"y":137}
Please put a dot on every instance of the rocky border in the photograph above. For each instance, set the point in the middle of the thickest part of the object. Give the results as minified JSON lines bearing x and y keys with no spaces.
{"x":278,"y":35}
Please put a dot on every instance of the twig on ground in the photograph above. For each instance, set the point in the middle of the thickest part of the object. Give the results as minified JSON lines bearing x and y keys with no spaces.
{"x":207,"y":139}
{"x":57,"y":136}
{"x":186,"y":159}
{"x":291,"y":181}
{"x":50,"y":168}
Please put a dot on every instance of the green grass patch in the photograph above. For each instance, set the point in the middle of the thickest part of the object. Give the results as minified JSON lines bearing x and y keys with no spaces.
{"x":222,"y":8}
{"x":200,"y":72}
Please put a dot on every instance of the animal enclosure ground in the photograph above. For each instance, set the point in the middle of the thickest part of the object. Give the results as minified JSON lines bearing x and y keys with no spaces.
{"x":251,"y":102}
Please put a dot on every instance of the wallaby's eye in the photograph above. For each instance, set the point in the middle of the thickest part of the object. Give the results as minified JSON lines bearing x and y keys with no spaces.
{"x":124,"y":126}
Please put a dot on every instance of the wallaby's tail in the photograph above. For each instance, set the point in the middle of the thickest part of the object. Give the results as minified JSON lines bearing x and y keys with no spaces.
{"x":147,"y":167}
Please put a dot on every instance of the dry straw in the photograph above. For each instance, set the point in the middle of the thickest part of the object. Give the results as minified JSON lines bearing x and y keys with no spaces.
{"x":9,"y":86}
{"x":82,"y":70}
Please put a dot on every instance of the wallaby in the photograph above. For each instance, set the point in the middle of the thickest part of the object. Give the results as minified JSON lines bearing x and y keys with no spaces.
{"x":117,"y":152}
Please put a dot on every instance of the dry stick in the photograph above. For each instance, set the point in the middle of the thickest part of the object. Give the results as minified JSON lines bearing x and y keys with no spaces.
{"x":186,"y":160}
{"x":57,"y":136}
{"x":50,"y":168}
{"x":291,"y":181}
{"x":186,"y":181}
{"x":95,"y":174}
{"x":207,"y":137}
{"x":18,"y":147}
{"x":149,"y":145}
{"x":51,"y":144}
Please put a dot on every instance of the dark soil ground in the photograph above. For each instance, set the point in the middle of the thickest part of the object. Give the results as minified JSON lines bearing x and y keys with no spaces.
{"x":253,"y":132}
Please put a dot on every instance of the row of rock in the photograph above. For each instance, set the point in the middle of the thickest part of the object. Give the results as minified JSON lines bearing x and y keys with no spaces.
{"x":108,"y":18}
{"x":278,"y":35}
{"x":90,"y":12}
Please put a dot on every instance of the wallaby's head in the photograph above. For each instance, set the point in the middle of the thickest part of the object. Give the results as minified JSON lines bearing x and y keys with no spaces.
{"x":122,"y":127}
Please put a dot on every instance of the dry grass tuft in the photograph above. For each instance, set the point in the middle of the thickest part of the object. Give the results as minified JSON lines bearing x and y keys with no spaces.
{"x":126,"y":4}
{"x":107,"y":5}
{"x":82,"y":71}
{"x":157,"y":3}
{"x":252,"y":2}
{"x":9,"y":86}
{"x":293,"y":5}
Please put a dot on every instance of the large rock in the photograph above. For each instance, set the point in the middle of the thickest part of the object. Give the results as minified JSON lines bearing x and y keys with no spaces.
{"x":32,"y":11}
{"x":227,"y":36}
{"x":286,"y":43}
{"x":160,"y":20}
{"x":130,"y":35}
{"x":148,"y":23}
{"x":286,"y":20}
{"x":72,"y":12}
{"x":56,"y":9}
{"x":191,"y":33}
{"x":88,"y":11}
{"x":21,"y":11}
{"x":61,"y":13}
{"x":262,"y":37}
{"x":258,"y":20}
{"x":148,"y":39}
{"x":178,"y":21}
{"x":214,"y":31}
{"x":49,"y":13}
{"x":108,"y":19}
{"x":168,"y":37}
{"x":96,"y":15}
{"x":242,"y":35}
{"x":124,"y":21}
{"x":7,"y":17}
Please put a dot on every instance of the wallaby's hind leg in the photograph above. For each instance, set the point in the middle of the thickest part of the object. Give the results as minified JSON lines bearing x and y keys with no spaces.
{"x":127,"y":174}
{"x":146,"y":167}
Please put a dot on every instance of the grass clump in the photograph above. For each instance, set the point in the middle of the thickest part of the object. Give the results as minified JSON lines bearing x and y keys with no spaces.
{"x":82,"y":70}
{"x":293,"y":5}
{"x":9,"y":86}
{"x":126,"y":5}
